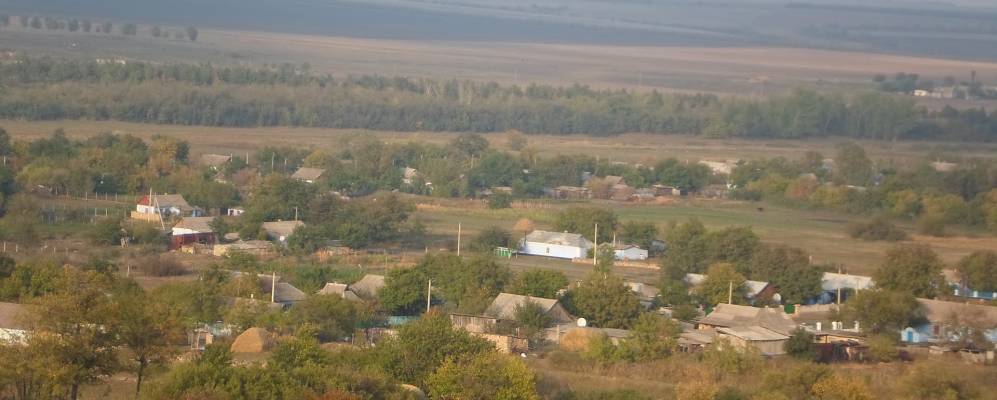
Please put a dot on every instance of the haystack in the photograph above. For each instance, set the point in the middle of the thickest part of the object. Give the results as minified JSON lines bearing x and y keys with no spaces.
{"x":578,"y":339}
{"x":523,"y":226}
{"x":253,"y":340}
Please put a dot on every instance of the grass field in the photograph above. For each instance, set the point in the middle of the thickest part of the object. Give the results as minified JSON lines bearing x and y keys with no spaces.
{"x":820,"y":233}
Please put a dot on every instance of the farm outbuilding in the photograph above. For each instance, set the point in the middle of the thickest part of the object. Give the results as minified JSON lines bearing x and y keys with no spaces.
{"x":554,"y":244}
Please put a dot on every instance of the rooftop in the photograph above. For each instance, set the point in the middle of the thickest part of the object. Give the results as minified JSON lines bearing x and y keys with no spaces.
{"x":753,"y":333}
{"x":558,"y":238}
{"x":214,"y":160}
{"x":833,"y":281}
{"x":281,"y":228}
{"x":338,"y":289}
{"x":937,"y":310}
{"x":196,"y":224}
{"x":308,"y":174}
{"x":753,"y":287}
{"x":369,"y":286}
{"x":504,"y":306}
{"x":166,"y":201}
{"x":735,"y":316}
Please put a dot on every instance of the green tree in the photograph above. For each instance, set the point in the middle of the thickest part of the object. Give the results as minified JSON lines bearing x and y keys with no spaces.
{"x":332,"y":317}
{"x":469,"y":144}
{"x":147,"y":328}
{"x":71,"y":324}
{"x":913,"y":268}
{"x":489,"y":376}
{"x":801,"y":345}
{"x":490,"y":238}
{"x":853,"y":166}
{"x":687,"y":250}
{"x":882,"y":311}
{"x":582,"y":220}
{"x":641,"y":233}
{"x":532,"y":318}
{"x":404,"y":291}
{"x":735,"y":245}
{"x":192,"y":33}
{"x":722,"y":284}
{"x":538,"y":283}
{"x":605,"y":301}
{"x":499,"y":201}
{"x":422,"y":346}
{"x":978,"y":270}
{"x":129,"y":29}
{"x":789,"y":269}
{"x":653,"y":337}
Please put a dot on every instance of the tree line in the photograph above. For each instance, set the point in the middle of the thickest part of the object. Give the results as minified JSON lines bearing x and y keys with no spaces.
{"x":87,"y":26}
{"x":240,"y":97}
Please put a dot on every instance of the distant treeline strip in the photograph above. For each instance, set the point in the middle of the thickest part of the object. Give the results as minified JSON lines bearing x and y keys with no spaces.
{"x":286,"y":95}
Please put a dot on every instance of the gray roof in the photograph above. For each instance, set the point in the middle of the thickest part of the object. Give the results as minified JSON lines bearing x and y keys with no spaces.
{"x":504,"y":306}
{"x":338,"y":289}
{"x":753,"y":287}
{"x":197,"y":224}
{"x":369,"y":286}
{"x":735,"y":316}
{"x":286,"y":293}
{"x":558,"y":238}
{"x":308,"y":174}
{"x":169,"y":200}
{"x":281,"y":228}
{"x":214,"y":160}
{"x":753,"y":333}
{"x":940,"y":311}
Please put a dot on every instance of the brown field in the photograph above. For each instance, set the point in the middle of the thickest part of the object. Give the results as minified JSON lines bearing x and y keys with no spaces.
{"x":740,"y":70}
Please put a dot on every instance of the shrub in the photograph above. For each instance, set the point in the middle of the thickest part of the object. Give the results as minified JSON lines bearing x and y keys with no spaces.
{"x":162,"y":265}
{"x":801,"y":345}
{"x":883,"y":348}
{"x":876,"y":229}
{"x":499,"y":200}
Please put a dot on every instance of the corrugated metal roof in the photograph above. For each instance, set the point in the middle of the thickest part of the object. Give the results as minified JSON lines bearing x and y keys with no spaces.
{"x":338,"y":289}
{"x":281,"y":228}
{"x":196,"y":224}
{"x":753,"y":333}
{"x":753,"y":287}
{"x":369,"y":286}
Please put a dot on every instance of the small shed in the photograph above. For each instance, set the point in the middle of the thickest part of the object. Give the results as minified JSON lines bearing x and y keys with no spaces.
{"x":555,"y":244}
{"x":629,"y":252}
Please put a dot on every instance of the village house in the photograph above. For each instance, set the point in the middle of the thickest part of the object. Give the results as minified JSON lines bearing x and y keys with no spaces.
{"x":485,"y":328}
{"x":554,"y":244}
{"x":13,"y":329}
{"x":308,"y":175}
{"x":504,"y":307}
{"x":154,"y":208}
{"x":766,"y":329}
{"x":192,"y":231}
{"x":368,"y":287}
{"x":753,"y":289}
{"x":629,"y":252}
{"x":832,"y":284}
{"x":214,"y":161}
{"x":279,"y":231}
{"x":942,"y":166}
{"x":645,"y":293}
{"x":577,"y":337}
{"x":569,"y":192}
{"x":666,"y":190}
{"x":338,"y":289}
{"x":942,"y":320}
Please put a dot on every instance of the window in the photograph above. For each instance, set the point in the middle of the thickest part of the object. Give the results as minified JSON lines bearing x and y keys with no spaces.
{"x":548,"y":250}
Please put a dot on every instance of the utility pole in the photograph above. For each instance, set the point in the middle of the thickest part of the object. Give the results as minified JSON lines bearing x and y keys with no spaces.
{"x":839,"y":287}
{"x":730,"y":292}
{"x":458,"y":239}
{"x":595,"y":250}
{"x":295,"y":213}
{"x":273,"y":287}
{"x":429,"y":295}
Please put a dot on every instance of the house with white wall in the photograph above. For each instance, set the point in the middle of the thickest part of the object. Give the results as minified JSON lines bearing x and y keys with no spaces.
{"x":555,"y":244}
